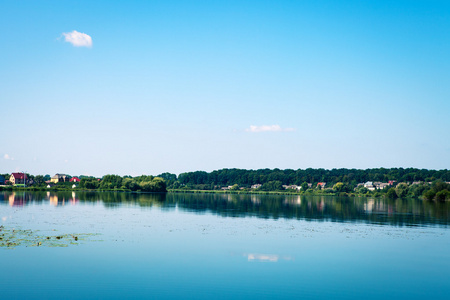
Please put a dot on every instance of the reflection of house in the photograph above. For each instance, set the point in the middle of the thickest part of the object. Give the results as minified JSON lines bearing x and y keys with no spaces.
{"x":59,"y":178}
{"x":74,"y":179}
{"x":53,"y":200}
{"x":17,"y":178}
{"x":368,"y":207}
{"x":17,"y":199}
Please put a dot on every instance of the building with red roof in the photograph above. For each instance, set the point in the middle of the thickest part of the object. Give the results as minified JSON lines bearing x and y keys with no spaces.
{"x":74,"y":179}
{"x":18,"y":178}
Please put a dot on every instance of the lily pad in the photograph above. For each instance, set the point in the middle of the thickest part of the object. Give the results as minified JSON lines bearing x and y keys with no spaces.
{"x":15,"y":237}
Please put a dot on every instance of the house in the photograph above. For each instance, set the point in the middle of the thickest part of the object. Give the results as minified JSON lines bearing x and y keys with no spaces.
{"x":376,"y":184}
{"x":369,"y":185}
{"x":74,"y":179}
{"x":256,"y":186}
{"x":18,"y":178}
{"x":382,"y":185}
{"x":322,"y":184}
{"x":292,"y":187}
{"x":2,"y":179}
{"x":59,"y":178}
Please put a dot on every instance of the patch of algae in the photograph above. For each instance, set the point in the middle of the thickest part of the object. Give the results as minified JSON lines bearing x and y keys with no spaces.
{"x":15,"y":237}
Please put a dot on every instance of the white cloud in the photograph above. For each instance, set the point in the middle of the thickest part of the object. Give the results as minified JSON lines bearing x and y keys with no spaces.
{"x":7,"y":157}
{"x":266,"y":128}
{"x":78,"y":39}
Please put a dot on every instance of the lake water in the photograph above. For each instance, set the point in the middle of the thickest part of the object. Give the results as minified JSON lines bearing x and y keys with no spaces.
{"x":218,"y":246}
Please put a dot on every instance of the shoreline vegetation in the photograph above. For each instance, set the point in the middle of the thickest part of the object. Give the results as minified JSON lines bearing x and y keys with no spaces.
{"x":390,"y":183}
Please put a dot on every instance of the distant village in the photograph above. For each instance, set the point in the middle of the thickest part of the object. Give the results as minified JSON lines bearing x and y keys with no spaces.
{"x":370,"y":185}
{"x":21,"y":179}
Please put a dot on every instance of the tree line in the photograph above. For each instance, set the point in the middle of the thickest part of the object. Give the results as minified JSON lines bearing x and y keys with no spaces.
{"x":143,"y":183}
{"x":247,"y":178}
{"x":430,"y":184}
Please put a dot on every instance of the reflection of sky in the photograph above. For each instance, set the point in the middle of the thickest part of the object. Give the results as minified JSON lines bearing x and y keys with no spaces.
{"x":263,"y":257}
{"x":266,"y":257}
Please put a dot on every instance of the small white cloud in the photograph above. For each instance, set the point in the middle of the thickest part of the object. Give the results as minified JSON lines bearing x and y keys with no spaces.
{"x":266,"y":128}
{"x":78,"y":39}
{"x":7,"y":157}
{"x":66,"y":161}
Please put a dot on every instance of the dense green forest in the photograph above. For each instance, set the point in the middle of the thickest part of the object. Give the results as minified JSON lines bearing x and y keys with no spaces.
{"x":246,"y":178}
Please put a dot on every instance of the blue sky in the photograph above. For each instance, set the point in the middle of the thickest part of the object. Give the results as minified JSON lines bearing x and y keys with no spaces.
{"x":202,"y":85}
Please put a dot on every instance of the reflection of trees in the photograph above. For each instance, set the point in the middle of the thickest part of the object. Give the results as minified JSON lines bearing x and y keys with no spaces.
{"x":115,"y":199}
{"x":339,"y":209}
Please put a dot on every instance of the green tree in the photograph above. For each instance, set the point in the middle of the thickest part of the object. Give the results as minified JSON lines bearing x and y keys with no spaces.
{"x":272,"y":186}
{"x":235,"y":187}
{"x":304,"y":186}
{"x":89,"y":183}
{"x":429,"y":195}
{"x":39,"y":179}
{"x":338,"y":187}
{"x":442,"y":195}
{"x":401,"y":190}
{"x":391,"y":193}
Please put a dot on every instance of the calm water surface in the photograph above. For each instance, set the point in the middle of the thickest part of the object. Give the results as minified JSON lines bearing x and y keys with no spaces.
{"x":203,"y":246}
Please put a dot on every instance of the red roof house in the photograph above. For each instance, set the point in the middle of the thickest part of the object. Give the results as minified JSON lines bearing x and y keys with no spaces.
{"x":18,"y":178}
{"x":74,"y":179}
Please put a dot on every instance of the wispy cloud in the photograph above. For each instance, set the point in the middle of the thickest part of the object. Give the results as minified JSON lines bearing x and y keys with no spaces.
{"x":78,"y":39}
{"x":268,"y":128}
{"x":7,"y":157}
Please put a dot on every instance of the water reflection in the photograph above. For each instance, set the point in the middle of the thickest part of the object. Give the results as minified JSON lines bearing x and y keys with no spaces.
{"x":314,"y":208}
{"x":255,"y":257}
{"x":263,"y":257}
